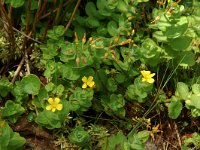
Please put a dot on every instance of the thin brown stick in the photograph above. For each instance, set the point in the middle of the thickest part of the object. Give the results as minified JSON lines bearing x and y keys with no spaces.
{"x":55,"y":10}
{"x":58,"y":12}
{"x":9,"y":29}
{"x":22,"y":33}
{"x":28,"y":17}
{"x":48,"y":23}
{"x":18,"y":70}
{"x":27,"y":62}
{"x":72,"y":16}
{"x":177,"y":134}
{"x":37,"y":15}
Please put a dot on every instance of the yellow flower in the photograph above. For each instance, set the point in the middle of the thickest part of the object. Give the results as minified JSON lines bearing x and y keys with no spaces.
{"x":155,"y":129}
{"x":87,"y":82}
{"x":54,"y":104}
{"x":147,"y":76}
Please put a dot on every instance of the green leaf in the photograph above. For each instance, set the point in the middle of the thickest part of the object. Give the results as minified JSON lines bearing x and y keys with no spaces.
{"x":182,"y":90}
{"x":49,"y":50}
{"x":111,"y":85}
{"x":101,"y":4}
{"x":122,"y":7}
{"x":137,"y":140}
{"x":12,"y":111}
{"x":31,"y":84}
{"x":160,"y":36}
{"x":42,"y":96}
{"x":9,"y":139}
{"x":196,"y":89}
{"x":195,"y":101}
{"x":113,"y":104}
{"x":174,"y":108}
{"x":16,"y":3}
{"x":112,"y":28}
{"x":68,"y":53}
{"x":90,"y":9}
{"x":56,"y":32}
{"x":141,"y":1}
{"x":180,"y":43}
{"x":79,"y":136}
{"x":92,"y":22}
{"x":81,"y":99}
{"x":48,"y":119}
{"x":115,"y":142}
{"x":5,"y":87}
{"x":112,"y":4}
{"x":177,"y":29}
{"x":185,"y":59}
{"x":49,"y":86}
{"x":120,"y":78}
{"x":69,"y":73}
{"x":58,"y":90}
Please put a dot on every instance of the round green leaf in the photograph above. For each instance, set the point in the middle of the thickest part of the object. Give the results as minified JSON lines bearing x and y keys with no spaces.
{"x":90,"y":9}
{"x":31,"y":84}
{"x":174,"y":108}
{"x":182,"y":90}
{"x":112,"y":28}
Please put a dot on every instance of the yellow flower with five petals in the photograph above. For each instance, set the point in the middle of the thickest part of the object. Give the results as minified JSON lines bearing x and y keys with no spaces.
{"x":147,"y":76}
{"x":88,"y":82}
{"x":54,"y":104}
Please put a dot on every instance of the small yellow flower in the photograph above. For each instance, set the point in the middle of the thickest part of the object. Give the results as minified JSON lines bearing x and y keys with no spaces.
{"x":155,"y":129}
{"x":54,"y":104}
{"x":87,"y":82}
{"x":148,"y":122}
{"x":147,"y":76}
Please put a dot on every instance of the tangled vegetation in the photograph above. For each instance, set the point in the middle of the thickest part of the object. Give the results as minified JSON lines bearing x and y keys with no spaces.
{"x":99,"y":74}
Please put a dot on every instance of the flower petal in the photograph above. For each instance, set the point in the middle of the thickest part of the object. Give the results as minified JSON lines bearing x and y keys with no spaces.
{"x":151,"y":75}
{"x":90,"y":78}
{"x":59,"y":107}
{"x":151,"y":80}
{"x":84,"y":79}
{"x":48,"y":107}
{"x":53,"y":109}
{"x":145,"y":73}
{"x":91,"y":84}
{"x":57,"y":100}
{"x":50,"y":100}
{"x":144,"y":79}
{"x":84,"y":85}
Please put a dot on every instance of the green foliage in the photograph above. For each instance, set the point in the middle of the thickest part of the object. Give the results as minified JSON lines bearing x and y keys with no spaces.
{"x":9,"y":139}
{"x":139,"y":90}
{"x":194,"y":140}
{"x":174,"y":108}
{"x":52,"y":120}
{"x":134,"y":141}
{"x":5,"y":87}
{"x":31,"y":84}
{"x":114,"y":104}
{"x":12,"y":111}
{"x":110,"y":41}
{"x":117,"y":141}
{"x":15,"y":3}
{"x":81,"y":99}
{"x":79,"y":136}
{"x":137,"y":140}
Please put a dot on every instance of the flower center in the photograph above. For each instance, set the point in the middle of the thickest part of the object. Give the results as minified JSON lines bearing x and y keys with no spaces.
{"x":54,"y":105}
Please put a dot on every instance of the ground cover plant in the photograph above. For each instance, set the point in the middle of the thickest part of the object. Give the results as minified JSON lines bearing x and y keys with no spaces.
{"x":99,"y":74}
